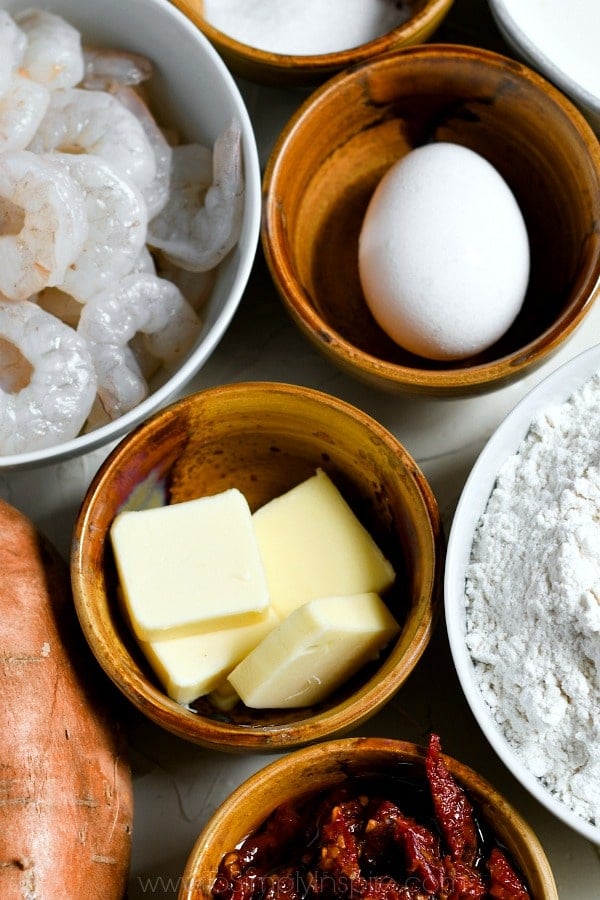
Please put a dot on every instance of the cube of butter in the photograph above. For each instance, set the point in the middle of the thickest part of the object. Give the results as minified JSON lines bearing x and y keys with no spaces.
{"x":224,"y":696}
{"x":312,"y":545}
{"x":189,"y":667}
{"x":193,"y":566}
{"x":313,"y":651}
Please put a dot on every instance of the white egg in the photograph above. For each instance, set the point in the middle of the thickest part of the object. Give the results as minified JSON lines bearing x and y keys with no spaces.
{"x":444,"y":253}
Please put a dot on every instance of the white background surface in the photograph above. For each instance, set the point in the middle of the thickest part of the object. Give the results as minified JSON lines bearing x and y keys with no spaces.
{"x":178,"y":786}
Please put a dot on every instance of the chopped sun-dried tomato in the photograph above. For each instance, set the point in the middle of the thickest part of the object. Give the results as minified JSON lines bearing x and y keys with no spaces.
{"x":359,"y":842}
{"x":378,"y":833}
{"x":462,"y":881}
{"x":339,"y":851}
{"x":285,"y":885}
{"x":422,"y":852}
{"x":231,"y":883}
{"x":505,"y":883}
{"x":388,"y":889}
{"x":262,"y":848}
{"x":453,"y":809}
{"x":241,"y":872}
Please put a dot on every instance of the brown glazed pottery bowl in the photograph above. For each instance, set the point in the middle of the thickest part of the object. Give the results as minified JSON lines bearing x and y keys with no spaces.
{"x":279,"y":69}
{"x":334,"y":151}
{"x":324,"y":766}
{"x":263,"y":438}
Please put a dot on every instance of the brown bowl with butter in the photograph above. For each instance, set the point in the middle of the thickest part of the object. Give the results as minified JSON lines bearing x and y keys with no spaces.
{"x":367,"y":817}
{"x":263,"y":441}
{"x":332,"y":157}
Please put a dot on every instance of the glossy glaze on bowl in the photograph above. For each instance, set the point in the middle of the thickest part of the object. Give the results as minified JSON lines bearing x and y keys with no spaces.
{"x":193,"y":92}
{"x":331,"y":155}
{"x":263,"y":439}
{"x":293,"y":71}
{"x":554,"y":389}
{"x":328,"y":764}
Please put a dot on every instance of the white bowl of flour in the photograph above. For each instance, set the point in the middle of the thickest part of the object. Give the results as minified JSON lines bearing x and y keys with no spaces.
{"x":522,"y":592}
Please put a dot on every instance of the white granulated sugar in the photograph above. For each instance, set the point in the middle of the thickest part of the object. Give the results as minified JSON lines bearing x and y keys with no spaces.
{"x":533,"y":600}
{"x":305,"y":27}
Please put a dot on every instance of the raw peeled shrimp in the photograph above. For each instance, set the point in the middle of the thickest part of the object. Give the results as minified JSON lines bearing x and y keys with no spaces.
{"x":156,"y":193}
{"x":144,"y":263}
{"x":80,"y":121}
{"x":117,"y":221}
{"x":191,"y":175}
{"x":44,"y":224}
{"x":106,"y":70}
{"x":47,"y":382}
{"x":138,"y":303}
{"x":196,"y":287}
{"x":53,"y":55}
{"x":22,"y":108}
{"x":12,"y":47}
{"x":198,"y":235}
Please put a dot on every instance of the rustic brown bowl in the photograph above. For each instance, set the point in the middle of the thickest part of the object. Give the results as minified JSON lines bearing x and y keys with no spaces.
{"x":332,"y":154}
{"x":286,"y":70}
{"x":262,"y":438}
{"x":321,"y":767}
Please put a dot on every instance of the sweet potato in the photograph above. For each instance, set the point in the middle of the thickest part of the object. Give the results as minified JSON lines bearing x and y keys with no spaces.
{"x":66,"y":800}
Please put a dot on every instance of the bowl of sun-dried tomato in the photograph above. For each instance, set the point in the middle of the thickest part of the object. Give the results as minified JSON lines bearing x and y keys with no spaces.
{"x":367,"y":818}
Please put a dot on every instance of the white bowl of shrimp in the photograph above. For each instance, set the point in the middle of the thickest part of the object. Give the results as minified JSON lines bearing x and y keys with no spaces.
{"x":130,"y":216}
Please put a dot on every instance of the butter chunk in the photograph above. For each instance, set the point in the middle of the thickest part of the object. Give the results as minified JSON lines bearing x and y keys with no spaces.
{"x":189,"y":667}
{"x":224,"y":696}
{"x":193,"y":566}
{"x":312,"y":545}
{"x":313,"y":651}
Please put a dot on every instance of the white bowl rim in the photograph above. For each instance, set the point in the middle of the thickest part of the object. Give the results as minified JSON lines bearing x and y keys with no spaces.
{"x":526,"y":47}
{"x":556,"y":387}
{"x":105,"y":435}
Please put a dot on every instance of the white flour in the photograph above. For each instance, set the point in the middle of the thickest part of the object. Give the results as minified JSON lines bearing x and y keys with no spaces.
{"x":305,"y":27}
{"x":533,"y":600}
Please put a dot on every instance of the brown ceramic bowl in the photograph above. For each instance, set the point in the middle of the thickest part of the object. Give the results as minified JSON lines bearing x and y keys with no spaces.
{"x":325,"y":765}
{"x":262,"y":438}
{"x":286,"y":70}
{"x":332,"y":154}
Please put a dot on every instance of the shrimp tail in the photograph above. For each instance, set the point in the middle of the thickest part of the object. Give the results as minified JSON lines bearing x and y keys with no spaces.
{"x":218,"y":223}
{"x":197,"y":237}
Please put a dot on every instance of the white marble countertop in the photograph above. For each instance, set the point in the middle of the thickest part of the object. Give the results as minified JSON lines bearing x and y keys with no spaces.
{"x":178,"y":786}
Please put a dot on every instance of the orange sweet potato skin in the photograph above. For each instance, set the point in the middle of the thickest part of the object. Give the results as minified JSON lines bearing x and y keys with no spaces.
{"x":66,"y":799}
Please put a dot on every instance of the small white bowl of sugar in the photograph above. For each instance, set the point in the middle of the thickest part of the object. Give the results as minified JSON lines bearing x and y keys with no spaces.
{"x":522,"y":583}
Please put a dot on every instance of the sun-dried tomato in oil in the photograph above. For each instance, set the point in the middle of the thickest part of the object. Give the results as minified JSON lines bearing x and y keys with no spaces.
{"x":388,"y":838}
